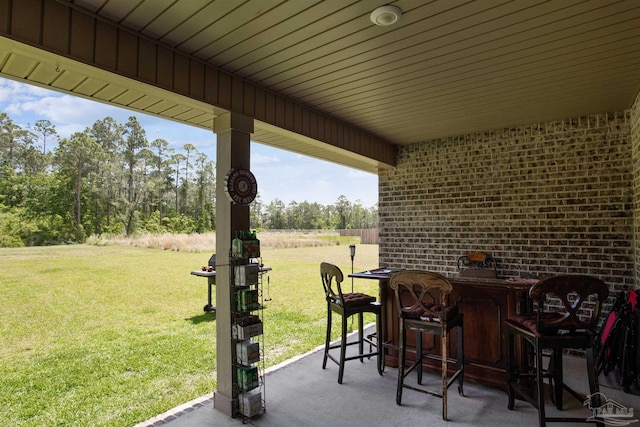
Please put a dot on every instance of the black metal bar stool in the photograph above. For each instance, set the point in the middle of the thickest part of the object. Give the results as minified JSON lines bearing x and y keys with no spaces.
{"x":421,"y":299}
{"x":347,"y":305}
{"x":556,"y":331}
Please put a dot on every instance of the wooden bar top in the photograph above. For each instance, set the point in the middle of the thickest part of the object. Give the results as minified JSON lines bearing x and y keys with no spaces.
{"x":384,"y":273}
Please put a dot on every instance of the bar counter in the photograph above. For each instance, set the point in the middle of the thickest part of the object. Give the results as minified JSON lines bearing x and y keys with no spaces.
{"x":486,"y":304}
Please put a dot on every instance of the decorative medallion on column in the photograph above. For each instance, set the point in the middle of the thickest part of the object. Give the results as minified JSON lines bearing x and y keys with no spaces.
{"x":241,"y":186}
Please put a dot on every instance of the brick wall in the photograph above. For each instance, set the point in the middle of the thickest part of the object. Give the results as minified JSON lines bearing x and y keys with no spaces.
{"x":635,"y":142}
{"x":543,"y":199}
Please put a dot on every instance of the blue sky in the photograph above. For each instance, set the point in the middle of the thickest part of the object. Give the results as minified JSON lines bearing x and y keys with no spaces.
{"x":281,"y":174}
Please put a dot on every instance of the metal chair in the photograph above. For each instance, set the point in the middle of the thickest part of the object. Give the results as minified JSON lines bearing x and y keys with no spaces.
{"x":421,"y":299}
{"x":347,"y":305}
{"x":556,"y":331}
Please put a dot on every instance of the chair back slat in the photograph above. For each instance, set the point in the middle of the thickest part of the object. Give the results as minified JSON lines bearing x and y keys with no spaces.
{"x":477,"y":264}
{"x":422,"y":292}
{"x":332,"y":278}
{"x":576,"y":293}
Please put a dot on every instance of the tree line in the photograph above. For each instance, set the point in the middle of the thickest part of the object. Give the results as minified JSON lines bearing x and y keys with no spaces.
{"x":111,"y":179}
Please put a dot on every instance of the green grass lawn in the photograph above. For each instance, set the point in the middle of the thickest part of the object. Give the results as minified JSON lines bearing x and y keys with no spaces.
{"x":114,"y":335}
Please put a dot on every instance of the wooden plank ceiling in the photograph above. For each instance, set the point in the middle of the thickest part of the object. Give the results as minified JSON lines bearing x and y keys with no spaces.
{"x":448,"y":67}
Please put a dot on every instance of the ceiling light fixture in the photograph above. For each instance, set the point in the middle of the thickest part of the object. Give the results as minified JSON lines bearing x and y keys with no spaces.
{"x":386,"y":15}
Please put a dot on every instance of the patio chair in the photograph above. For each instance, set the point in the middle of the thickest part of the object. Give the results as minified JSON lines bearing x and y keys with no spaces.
{"x":556,"y":331}
{"x":478,"y":265}
{"x":421,"y":300}
{"x":347,"y":305}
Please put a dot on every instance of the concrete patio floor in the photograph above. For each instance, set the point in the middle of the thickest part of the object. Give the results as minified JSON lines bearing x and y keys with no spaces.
{"x":300,"y":393}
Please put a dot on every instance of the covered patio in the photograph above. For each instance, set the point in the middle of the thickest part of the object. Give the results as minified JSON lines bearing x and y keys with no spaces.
{"x":300,"y":393}
{"x":506,"y":127}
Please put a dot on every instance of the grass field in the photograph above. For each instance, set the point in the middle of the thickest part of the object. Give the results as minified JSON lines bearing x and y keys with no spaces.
{"x":114,"y":335}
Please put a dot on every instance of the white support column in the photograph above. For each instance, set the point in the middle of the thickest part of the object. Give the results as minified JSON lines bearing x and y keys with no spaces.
{"x":233,"y":133}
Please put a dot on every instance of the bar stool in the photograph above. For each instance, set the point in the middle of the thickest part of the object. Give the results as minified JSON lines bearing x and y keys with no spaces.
{"x":556,"y":331}
{"x":347,"y":305}
{"x":421,"y":299}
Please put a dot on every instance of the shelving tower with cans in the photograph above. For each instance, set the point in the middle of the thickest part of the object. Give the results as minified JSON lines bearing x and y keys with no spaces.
{"x":246,"y":323}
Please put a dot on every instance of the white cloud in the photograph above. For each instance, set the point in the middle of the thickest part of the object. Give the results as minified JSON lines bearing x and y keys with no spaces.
{"x":11,"y":90}
{"x":70,"y":112}
{"x":260,"y":159}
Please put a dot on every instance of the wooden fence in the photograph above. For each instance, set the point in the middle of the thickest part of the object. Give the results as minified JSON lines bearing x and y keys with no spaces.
{"x":368,"y":236}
